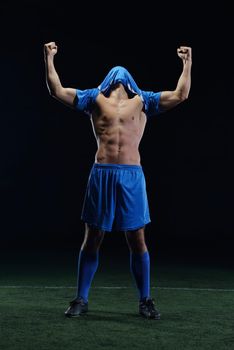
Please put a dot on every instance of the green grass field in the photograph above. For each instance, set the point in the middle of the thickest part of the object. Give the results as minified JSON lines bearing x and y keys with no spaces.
{"x":196,"y":304}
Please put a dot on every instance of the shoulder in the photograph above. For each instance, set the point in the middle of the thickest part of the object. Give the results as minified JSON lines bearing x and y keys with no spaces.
{"x":100,"y":97}
{"x":137,"y":100}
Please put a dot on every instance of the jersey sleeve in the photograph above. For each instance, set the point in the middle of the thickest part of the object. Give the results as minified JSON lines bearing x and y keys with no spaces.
{"x":85,"y":100}
{"x":151,"y":102}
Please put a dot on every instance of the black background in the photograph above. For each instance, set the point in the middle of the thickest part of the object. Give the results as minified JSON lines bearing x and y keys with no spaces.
{"x":47,"y":149}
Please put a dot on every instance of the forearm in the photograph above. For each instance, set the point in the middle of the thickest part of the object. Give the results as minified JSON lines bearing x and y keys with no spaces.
{"x":52,"y":79}
{"x":184,"y":82}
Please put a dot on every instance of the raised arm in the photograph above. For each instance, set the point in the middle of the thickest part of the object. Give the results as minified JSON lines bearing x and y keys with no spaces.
{"x":170,"y":99}
{"x":56,"y":90}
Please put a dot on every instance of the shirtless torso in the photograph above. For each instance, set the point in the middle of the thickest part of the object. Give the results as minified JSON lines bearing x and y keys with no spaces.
{"x":118,"y":124}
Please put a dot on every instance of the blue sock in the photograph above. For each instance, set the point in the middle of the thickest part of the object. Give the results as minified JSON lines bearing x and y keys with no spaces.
{"x":140,"y":268}
{"x":87,"y":266}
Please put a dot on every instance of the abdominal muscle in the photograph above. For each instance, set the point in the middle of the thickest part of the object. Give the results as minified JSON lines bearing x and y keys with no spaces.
{"x":118,"y":153}
{"x":118,"y":127}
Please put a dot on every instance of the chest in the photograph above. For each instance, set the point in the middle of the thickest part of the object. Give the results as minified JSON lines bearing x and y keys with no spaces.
{"x":127,"y":112}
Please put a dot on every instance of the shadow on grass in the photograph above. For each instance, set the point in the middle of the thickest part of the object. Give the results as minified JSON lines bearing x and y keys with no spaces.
{"x":100,"y":315}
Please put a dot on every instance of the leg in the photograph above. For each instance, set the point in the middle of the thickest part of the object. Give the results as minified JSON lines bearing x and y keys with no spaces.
{"x":140,"y":268}
{"x":87,"y":266}
{"x":139,"y":261}
{"x":88,"y":260}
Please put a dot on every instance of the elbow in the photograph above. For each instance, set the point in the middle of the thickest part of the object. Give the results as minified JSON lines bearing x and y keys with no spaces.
{"x":53,"y":93}
{"x":182,"y":96}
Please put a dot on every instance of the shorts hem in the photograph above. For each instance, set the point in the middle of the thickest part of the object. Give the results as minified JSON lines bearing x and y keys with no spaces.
{"x":99,"y":227}
{"x":131,"y":228}
{"x":103,"y":228}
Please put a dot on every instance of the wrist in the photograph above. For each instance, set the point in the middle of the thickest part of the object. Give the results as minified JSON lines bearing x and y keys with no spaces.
{"x":187,"y":61}
{"x":49,"y":58}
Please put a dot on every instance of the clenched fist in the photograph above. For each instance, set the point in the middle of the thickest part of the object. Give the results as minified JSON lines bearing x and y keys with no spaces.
{"x":50,"y":49}
{"x":185,"y":53}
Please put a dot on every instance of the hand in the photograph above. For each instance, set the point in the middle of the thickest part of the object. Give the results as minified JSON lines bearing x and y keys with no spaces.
{"x":50,"y":49}
{"x":185,"y":53}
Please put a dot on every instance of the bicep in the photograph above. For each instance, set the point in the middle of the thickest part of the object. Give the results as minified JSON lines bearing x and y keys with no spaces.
{"x":66,"y":96}
{"x":168,"y":100}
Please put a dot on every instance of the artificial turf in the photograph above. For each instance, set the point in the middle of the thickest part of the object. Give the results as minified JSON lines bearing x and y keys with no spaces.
{"x":35,"y":292}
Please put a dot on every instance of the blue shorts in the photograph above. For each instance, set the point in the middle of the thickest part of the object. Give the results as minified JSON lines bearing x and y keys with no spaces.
{"x":116,"y":198}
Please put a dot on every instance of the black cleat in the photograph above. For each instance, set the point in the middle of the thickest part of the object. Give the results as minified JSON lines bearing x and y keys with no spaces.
{"x":147,"y":309}
{"x":77,"y":307}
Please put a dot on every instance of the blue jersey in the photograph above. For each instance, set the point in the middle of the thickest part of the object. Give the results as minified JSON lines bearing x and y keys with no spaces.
{"x":86,"y":98}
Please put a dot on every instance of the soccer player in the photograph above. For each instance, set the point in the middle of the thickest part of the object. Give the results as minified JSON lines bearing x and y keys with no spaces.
{"x":116,"y":196}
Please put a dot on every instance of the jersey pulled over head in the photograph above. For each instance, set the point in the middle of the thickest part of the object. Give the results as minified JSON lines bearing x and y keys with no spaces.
{"x":118,"y":75}
{"x":85,"y":99}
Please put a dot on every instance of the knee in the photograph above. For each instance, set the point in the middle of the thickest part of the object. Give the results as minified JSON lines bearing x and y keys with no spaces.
{"x":136,"y":241}
{"x":138,"y":247}
{"x":92,"y":240}
{"x":91,"y":245}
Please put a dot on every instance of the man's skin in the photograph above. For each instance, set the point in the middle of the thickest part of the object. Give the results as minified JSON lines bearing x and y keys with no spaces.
{"x":118,"y":124}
